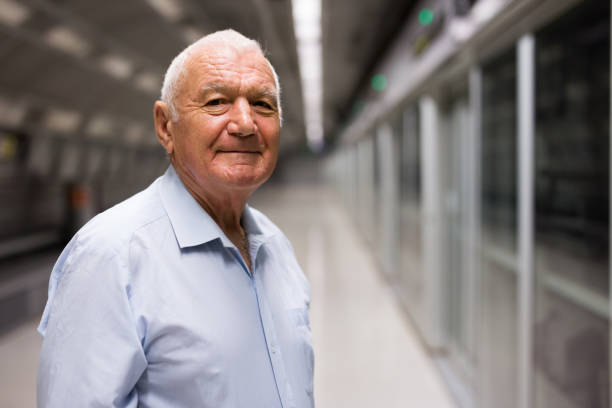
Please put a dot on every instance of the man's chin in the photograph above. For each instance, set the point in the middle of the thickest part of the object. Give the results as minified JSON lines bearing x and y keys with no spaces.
{"x":244,"y":176}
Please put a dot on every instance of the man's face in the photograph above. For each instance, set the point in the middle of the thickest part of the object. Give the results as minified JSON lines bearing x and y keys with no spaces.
{"x":227,"y":131}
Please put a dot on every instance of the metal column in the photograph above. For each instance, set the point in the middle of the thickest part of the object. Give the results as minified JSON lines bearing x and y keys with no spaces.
{"x":432,"y":215}
{"x":526,"y":119}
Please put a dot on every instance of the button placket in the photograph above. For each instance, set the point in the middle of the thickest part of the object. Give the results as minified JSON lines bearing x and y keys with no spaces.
{"x":276,"y":358}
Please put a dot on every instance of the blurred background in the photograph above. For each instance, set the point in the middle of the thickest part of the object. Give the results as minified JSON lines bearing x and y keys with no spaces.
{"x":444,"y":177}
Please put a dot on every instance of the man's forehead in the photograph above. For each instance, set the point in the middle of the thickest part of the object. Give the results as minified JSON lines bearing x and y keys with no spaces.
{"x":217,"y":56}
{"x":224,"y":68}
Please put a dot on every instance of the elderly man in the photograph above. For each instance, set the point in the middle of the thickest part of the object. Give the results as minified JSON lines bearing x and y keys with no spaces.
{"x":183,"y":295}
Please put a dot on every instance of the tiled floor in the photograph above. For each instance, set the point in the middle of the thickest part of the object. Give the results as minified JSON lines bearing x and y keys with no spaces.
{"x":367,"y":354}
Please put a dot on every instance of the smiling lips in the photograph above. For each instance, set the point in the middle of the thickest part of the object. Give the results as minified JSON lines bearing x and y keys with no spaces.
{"x":240,"y":151}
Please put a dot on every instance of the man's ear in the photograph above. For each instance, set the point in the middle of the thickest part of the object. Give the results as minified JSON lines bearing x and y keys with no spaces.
{"x":164,"y":126}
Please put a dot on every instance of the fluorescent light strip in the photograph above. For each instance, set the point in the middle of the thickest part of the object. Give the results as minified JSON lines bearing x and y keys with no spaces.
{"x":63,"y":38}
{"x":307,"y":24}
{"x":148,"y":82}
{"x":61,"y":120}
{"x":100,"y":126}
{"x":169,"y":9}
{"x":117,"y":66}
{"x":13,"y":13}
{"x":484,"y":10}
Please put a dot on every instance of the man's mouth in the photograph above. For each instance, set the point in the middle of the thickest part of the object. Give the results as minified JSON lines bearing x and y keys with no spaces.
{"x":239,"y":151}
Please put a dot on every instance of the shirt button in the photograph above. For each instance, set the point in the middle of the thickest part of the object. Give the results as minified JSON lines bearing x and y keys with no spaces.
{"x":273,"y":350}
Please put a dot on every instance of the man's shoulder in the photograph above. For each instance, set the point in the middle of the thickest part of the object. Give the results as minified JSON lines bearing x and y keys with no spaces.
{"x":275,"y":235}
{"x":113,"y":228}
{"x":266,"y":225}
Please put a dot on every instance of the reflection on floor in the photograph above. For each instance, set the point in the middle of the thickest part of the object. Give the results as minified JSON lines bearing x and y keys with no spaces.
{"x":19,"y":351}
{"x":367,"y":354}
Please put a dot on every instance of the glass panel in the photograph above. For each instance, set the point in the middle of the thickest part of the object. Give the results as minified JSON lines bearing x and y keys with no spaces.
{"x":499,"y":341}
{"x":499,"y":351}
{"x":410,"y":163}
{"x":499,"y":158}
{"x":377,"y":186}
{"x":354,"y":181}
{"x":572,"y":204}
{"x":366,"y":187}
{"x":410,"y":254}
{"x":378,"y":226}
{"x":454,"y":132}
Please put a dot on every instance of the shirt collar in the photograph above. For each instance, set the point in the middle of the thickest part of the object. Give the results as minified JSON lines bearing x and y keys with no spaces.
{"x":192,"y":225}
{"x":257,"y":234}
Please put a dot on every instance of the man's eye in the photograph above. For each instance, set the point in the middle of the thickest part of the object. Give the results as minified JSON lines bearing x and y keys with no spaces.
{"x":263,"y":104}
{"x":214,"y":102}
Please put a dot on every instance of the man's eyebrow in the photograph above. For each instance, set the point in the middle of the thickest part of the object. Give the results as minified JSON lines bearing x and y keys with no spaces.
{"x":214,"y":87}
{"x":265,"y":92}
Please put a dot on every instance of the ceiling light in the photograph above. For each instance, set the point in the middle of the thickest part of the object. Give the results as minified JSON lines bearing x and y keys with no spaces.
{"x":307,"y":20}
{"x":461,"y":28}
{"x":61,"y":120}
{"x":191,"y":34}
{"x":484,"y":10}
{"x":306,"y":10}
{"x":12,"y":113}
{"x":148,"y":82}
{"x":307,"y":25}
{"x":100,"y":126}
{"x":169,"y":9}
{"x":116,"y":66}
{"x":67,"y":40}
{"x":13,"y":13}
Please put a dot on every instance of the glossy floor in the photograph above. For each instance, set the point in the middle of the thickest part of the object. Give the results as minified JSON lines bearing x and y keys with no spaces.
{"x":367,"y":354}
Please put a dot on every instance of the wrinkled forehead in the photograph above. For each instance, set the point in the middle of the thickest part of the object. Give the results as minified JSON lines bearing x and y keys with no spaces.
{"x":217,"y":62}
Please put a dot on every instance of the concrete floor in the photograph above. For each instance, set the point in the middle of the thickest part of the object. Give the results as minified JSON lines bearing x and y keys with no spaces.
{"x":367,"y":354}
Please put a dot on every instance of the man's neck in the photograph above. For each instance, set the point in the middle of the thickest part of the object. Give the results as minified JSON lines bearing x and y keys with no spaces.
{"x":226,"y":210}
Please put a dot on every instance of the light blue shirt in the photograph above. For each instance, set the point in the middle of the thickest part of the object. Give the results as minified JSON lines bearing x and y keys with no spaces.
{"x":151,"y":305}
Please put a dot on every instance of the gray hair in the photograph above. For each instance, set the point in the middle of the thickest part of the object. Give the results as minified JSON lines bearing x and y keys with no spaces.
{"x":176,"y":70}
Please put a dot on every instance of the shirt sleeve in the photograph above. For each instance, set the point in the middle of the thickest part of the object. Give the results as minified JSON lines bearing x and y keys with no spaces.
{"x":92,"y":354}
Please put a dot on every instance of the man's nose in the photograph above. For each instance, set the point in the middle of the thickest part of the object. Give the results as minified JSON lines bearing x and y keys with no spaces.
{"x":241,"y":120}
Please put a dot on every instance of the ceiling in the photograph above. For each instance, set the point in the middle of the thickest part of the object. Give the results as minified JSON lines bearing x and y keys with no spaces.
{"x":92,"y":69}
{"x":356,"y":34}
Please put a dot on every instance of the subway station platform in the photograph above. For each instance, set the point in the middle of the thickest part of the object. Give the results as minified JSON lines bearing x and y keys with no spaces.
{"x":366,"y":352}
